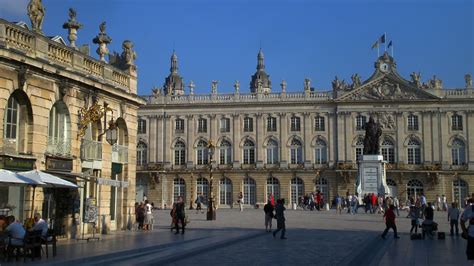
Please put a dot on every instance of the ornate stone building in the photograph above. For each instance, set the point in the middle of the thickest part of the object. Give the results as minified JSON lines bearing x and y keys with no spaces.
{"x":291,"y":143}
{"x":59,"y":105}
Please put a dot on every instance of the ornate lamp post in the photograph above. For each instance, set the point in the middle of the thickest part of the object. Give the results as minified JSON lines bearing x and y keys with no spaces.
{"x":211,"y":210}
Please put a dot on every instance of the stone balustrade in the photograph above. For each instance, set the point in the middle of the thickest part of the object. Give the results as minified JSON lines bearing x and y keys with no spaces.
{"x":20,"y":39}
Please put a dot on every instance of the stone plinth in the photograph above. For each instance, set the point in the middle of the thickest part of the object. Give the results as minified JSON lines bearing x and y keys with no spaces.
{"x":371,"y":177}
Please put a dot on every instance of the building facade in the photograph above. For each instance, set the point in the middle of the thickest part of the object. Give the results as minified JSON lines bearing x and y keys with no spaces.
{"x":293,"y":143}
{"x":59,"y":105}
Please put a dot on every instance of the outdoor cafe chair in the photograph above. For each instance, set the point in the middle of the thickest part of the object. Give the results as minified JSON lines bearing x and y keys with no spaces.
{"x":31,"y":246}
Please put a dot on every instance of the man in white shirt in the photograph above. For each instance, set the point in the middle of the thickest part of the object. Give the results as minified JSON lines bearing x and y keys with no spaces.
{"x":453,"y":217}
{"x":15,"y":230}
{"x":148,"y":216}
{"x":468,"y":233}
{"x":40,"y":225}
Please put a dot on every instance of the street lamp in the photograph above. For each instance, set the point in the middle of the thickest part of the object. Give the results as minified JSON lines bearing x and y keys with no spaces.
{"x":211,"y":210}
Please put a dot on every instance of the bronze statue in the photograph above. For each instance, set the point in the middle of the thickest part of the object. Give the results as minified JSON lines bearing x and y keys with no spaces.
{"x":373,"y":131}
{"x":36,"y":14}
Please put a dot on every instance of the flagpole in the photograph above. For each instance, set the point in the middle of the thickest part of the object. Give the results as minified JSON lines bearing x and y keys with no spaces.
{"x":391,"y":47}
{"x":385,"y":43}
{"x":378,"y":49}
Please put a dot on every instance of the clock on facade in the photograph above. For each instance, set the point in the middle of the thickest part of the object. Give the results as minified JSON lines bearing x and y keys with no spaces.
{"x":384,"y":67}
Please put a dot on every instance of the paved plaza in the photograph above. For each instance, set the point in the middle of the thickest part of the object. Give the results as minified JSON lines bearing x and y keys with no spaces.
{"x":236,"y":238}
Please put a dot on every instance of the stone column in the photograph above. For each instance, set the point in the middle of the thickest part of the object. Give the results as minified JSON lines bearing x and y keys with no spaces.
{"x":400,"y":148}
{"x":341,"y":155}
{"x":283,"y":125}
{"x":426,"y":127}
{"x":213,"y":134}
{"x":436,"y":131}
{"x":307,"y":140}
{"x":349,"y":135}
{"x":444,"y":138}
{"x":470,"y":139}
{"x":160,"y":139}
{"x":167,"y":135}
{"x":260,"y":136}
{"x":152,"y":137}
{"x":332,"y":138}
{"x":236,"y":141}
{"x":190,"y":141}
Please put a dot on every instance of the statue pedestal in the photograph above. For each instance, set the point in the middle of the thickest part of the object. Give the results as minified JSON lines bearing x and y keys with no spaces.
{"x":371,"y":177}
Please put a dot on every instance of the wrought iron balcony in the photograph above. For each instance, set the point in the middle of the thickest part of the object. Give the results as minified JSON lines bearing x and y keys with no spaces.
{"x":59,"y":146}
{"x":119,"y":154}
{"x":91,"y":150}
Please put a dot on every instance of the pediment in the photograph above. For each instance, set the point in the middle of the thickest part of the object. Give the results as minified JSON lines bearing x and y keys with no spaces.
{"x":387,"y":87}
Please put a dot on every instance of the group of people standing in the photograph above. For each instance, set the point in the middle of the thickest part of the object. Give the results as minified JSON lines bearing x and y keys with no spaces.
{"x":144,"y":215}
{"x":311,"y":201}
{"x":273,"y":211}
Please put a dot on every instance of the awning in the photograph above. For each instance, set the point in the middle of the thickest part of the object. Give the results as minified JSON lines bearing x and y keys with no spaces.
{"x":49,"y":179}
{"x":10,"y":177}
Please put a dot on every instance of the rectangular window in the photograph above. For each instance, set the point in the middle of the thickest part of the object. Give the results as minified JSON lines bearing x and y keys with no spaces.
{"x":319,"y":124}
{"x":388,"y":154}
{"x":271,"y":124}
{"x":248,"y":124}
{"x":412,"y":122}
{"x":360,"y":122}
{"x":321,"y":156}
{"x":456,"y":121}
{"x":249,"y":156}
{"x":202,"y":125}
{"x":179,"y":125}
{"x":414,"y":156}
{"x":141,"y":126}
{"x":295,"y":123}
{"x":179,"y":157}
{"x":358,"y":153}
{"x":224,"y":155}
{"x":225,"y":125}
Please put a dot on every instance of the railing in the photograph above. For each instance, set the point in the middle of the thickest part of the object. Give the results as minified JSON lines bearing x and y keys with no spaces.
{"x":120,"y":79}
{"x":91,"y":150}
{"x":119,"y":154}
{"x":59,"y":54}
{"x":19,"y":38}
{"x":10,"y":146}
{"x":93,"y":67}
{"x":59,"y":146}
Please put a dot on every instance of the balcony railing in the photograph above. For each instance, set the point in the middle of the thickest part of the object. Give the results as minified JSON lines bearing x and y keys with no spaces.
{"x":119,"y":154}
{"x":9,"y":147}
{"x":91,"y":150}
{"x":59,"y":146}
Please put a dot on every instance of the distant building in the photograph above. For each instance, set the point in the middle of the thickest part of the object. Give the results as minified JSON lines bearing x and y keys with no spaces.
{"x":48,"y":91}
{"x":293,"y":143}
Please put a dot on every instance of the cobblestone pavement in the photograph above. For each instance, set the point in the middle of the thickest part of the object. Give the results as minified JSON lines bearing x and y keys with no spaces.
{"x":315,"y":238}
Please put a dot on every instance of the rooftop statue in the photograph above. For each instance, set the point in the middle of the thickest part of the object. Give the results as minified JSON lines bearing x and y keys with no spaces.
{"x":214,"y":86}
{"x":283,"y":86}
{"x":416,"y":78}
{"x":102,"y":39}
{"x":72,"y":25}
{"x":373,"y":131}
{"x":307,"y":84}
{"x":36,"y":13}
{"x":468,"y":80}
{"x":128,"y":55}
{"x":236,"y":86}
{"x":355,"y":81}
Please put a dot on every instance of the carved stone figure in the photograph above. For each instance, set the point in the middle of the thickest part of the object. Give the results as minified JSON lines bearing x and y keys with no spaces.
{"x":355,"y":81}
{"x":386,"y":90}
{"x":102,"y":39}
{"x":373,"y":132}
{"x":36,"y":13}
{"x":191,"y":87}
{"x":386,"y":121}
{"x":340,"y":85}
{"x":214,"y":86}
{"x":283,"y":86}
{"x":435,"y":83}
{"x":468,"y":80}
{"x":156,"y":92}
{"x":307,"y":84}
{"x":236,"y":86}
{"x":416,"y":78}
{"x":72,"y":25}
{"x":128,"y":55}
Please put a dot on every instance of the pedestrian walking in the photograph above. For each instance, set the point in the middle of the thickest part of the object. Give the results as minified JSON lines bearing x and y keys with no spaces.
{"x":453,"y":217}
{"x":148,"y":216}
{"x":198,"y":201}
{"x":280,"y":217}
{"x":396,"y":204}
{"x":414,"y":216}
{"x":180,"y":215}
{"x":468,"y":233}
{"x":268,"y":209}
{"x":141,"y":215}
{"x":240,"y":201}
{"x":438,"y":202}
{"x":338,"y":204}
{"x":390,"y":222}
{"x":444,"y":201}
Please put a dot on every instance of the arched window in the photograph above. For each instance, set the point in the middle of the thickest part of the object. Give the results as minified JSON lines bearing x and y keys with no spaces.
{"x":359,"y":149}
{"x":388,"y":150}
{"x":321,"y":152}
{"x":225,"y":191}
{"x":414,"y":188}
{"x":460,"y":191}
{"x":59,"y":136}
{"x":249,"y":152}
{"x":414,"y":151}
{"x":202,"y":153}
{"x":179,"y":153}
{"x":141,"y":153}
{"x":202,"y":187}
{"x":297,"y":189}
{"x":249,"y":191}
{"x":225,"y":153}
{"x":17,"y":124}
{"x":272,"y":152}
{"x":321,"y":184}
{"x":458,"y":152}
{"x":296,"y":152}
{"x":179,"y":189}
{"x":392,"y":187}
{"x":273,"y":187}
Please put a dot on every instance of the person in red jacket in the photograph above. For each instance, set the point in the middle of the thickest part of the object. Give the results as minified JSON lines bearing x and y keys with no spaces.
{"x":374,"y":202}
{"x":390,"y":222}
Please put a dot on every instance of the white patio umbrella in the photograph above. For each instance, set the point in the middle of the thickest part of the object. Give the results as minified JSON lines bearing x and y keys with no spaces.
{"x":48,"y":179}
{"x":13,"y":178}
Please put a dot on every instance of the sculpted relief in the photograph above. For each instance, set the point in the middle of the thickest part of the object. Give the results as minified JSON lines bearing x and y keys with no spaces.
{"x":384,"y":90}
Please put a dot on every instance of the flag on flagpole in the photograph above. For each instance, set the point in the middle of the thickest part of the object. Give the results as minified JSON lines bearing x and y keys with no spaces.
{"x":375,"y":45}
{"x":389,"y":44}
{"x":382,"y":38}
{"x":379,"y":41}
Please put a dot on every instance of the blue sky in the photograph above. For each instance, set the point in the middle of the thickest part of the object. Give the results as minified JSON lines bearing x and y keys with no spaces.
{"x":219,"y":39}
